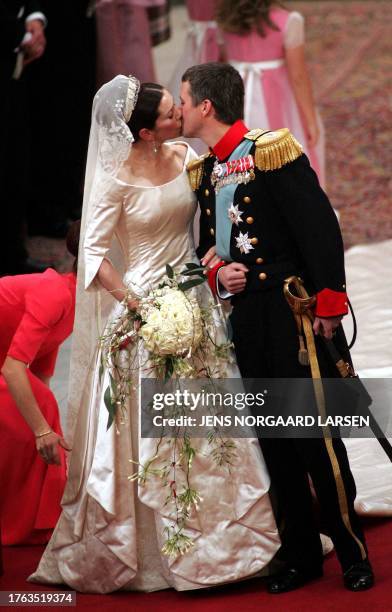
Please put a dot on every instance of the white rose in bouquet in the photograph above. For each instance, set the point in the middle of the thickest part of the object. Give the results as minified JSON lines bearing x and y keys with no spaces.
{"x":172,"y":322}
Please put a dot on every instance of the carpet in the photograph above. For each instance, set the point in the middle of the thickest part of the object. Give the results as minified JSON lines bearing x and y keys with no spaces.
{"x":324,"y":595}
{"x":349,"y":52}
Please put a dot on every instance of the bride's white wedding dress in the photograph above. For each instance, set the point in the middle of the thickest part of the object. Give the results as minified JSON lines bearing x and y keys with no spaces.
{"x":111,"y":530}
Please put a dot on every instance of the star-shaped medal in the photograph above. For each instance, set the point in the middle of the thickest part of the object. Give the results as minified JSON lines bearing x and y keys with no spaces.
{"x":243,"y":243}
{"x":235,"y":214}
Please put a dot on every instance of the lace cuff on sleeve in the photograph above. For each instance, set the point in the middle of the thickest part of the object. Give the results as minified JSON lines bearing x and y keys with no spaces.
{"x":294,"y":35}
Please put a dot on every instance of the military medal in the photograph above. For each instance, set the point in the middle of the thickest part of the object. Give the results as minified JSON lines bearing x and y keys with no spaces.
{"x":233,"y":171}
{"x":243,"y":243}
{"x":235,"y":215}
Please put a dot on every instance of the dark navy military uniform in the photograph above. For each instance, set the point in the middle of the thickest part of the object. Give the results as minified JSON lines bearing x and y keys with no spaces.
{"x":283,"y":225}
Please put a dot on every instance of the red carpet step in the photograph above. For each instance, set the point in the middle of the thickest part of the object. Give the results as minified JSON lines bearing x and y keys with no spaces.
{"x":324,"y":595}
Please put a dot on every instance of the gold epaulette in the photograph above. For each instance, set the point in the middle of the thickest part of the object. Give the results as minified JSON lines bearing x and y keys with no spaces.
{"x":196,"y":169}
{"x":274,"y":149}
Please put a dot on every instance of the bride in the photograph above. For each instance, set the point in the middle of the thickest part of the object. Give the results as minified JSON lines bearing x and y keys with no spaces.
{"x":137,"y":217}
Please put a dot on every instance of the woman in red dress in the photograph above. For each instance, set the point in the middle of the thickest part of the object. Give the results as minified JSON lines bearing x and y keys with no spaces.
{"x":36,"y":316}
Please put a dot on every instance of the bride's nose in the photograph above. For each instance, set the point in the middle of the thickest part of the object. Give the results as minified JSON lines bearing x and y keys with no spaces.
{"x":178,"y":113}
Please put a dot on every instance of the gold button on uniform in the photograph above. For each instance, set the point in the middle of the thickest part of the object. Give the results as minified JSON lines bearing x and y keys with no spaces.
{"x":254,"y":240}
{"x":206,"y":192}
{"x":212,"y":232}
{"x":247,"y":200}
{"x":249,"y":220}
{"x":208,"y":212}
{"x":262,"y":276}
{"x":259,"y":260}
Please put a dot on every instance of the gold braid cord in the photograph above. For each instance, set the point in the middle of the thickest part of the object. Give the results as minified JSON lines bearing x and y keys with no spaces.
{"x":300,"y":305}
{"x":196,"y":169}
{"x":274,"y":149}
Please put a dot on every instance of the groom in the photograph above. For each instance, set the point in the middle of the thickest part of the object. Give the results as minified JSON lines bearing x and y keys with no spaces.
{"x":269,"y":219}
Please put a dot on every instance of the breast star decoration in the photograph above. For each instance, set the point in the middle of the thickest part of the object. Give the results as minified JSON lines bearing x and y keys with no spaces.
{"x":243,"y":243}
{"x":235,"y":214}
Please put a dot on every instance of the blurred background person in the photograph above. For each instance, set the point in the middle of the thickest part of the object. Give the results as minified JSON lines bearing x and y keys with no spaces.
{"x":126,"y":32}
{"x":266,"y":44}
{"x":22,"y":43}
{"x":201,"y":42}
{"x":60,"y":88}
{"x":36,"y":315}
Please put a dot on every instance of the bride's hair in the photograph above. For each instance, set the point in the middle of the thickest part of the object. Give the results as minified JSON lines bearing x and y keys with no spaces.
{"x":146,"y":112}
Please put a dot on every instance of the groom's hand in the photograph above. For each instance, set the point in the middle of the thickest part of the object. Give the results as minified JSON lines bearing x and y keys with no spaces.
{"x":233,"y":277}
{"x":326,"y":327}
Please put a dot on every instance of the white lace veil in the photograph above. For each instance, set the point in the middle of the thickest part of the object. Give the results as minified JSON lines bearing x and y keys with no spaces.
{"x":109,"y":146}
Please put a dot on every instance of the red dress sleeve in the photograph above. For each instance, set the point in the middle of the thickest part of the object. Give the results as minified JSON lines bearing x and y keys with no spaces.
{"x":44,"y":307}
{"x":46,"y":364}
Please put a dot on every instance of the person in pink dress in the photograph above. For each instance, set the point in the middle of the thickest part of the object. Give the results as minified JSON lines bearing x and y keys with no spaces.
{"x":124,"y":39}
{"x":266,"y":44}
{"x":201,"y":42}
{"x":203,"y":30}
{"x":36,"y":315}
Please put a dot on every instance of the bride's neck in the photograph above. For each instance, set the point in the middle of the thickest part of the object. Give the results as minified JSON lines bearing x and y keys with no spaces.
{"x":150,"y":152}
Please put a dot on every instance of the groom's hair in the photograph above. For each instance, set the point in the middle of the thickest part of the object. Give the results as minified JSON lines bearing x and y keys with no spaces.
{"x":222,"y":85}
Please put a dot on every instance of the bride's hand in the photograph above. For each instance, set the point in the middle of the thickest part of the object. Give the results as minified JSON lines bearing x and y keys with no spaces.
{"x":133,"y":304}
{"x":210,"y":259}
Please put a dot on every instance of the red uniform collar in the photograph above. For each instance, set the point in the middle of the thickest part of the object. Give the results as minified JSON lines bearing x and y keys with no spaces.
{"x":231,"y":139}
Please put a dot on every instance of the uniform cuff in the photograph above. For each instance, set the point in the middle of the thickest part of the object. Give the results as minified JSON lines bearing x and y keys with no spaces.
{"x":212,"y":274}
{"x":221,"y":291}
{"x":331,"y":303}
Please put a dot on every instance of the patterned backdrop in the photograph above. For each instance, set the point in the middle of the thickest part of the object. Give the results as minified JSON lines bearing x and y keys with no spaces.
{"x":350,"y":55}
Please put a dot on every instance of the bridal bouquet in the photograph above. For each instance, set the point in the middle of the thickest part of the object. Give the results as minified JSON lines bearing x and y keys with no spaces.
{"x":170,"y":325}
{"x":172,"y":322}
{"x":175,"y":337}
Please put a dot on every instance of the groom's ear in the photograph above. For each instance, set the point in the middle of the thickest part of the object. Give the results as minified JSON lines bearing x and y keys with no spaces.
{"x":206,"y":108}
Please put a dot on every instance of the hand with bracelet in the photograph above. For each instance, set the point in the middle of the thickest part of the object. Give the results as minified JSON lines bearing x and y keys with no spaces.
{"x":15,"y":375}
{"x":47,"y":446}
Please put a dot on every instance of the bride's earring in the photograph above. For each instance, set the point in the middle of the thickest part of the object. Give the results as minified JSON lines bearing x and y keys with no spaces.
{"x":155,"y":147}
